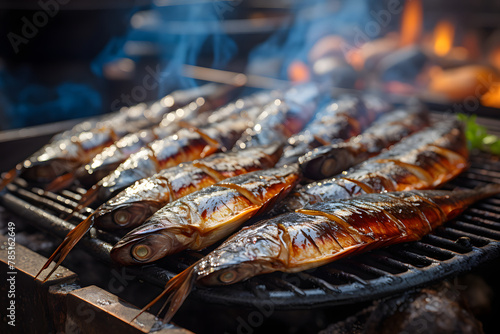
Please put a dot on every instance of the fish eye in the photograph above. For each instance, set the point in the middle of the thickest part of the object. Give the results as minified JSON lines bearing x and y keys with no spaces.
{"x":121,"y":217}
{"x":227,"y":277}
{"x":141,"y":252}
{"x":327,"y":166}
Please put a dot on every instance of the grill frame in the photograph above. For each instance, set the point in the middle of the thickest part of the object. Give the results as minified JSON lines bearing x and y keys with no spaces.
{"x":453,"y":248}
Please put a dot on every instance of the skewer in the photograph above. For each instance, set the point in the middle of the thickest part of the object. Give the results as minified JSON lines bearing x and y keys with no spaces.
{"x":233,"y":78}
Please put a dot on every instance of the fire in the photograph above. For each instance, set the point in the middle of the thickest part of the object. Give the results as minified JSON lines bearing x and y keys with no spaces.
{"x":411,"y":23}
{"x":492,"y":97}
{"x":444,"y":34}
{"x":298,"y":72}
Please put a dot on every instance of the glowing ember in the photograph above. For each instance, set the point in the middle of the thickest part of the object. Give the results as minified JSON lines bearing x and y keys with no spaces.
{"x":411,"y":23}
{"x":444,"y":34}
{"x":298,"y":72}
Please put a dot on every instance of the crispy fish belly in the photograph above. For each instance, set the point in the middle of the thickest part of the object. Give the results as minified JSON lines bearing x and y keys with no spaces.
{"x":205,"y":217}
{"x":390,"y":128}
{"x":135,"y":204}
{"x":424,"y":160}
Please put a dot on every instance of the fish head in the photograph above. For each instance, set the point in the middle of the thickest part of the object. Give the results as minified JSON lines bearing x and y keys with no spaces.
{"x":241,"y":257}
{"x":326,"y":161}
{"x":151,"y":241}
{"x":124,"y":215}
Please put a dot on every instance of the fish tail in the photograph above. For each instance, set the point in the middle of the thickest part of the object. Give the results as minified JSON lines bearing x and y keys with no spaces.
{"x":67,"y":245}
{"x":89,"y":197}
{"x":61,"y":182}
{"x":486,"y":191}
{"x":9,"y":176}
{"x":180,"y":286}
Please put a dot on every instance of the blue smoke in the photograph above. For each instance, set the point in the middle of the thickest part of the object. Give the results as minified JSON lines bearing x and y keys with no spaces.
{"x":26,"y":103}
{"x":312,"y":20}
{"x":179,"y":34}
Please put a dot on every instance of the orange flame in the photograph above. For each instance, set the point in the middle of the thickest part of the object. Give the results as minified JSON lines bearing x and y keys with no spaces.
{"x":411,"y":22}
{"x":492,"y":97}
{"x":298,"y":72}
{"x":444,"y":33}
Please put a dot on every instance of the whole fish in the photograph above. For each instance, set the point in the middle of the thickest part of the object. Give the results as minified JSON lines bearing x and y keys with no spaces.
{"x":194,"y":113}
{"x":74,"y":148}
{"x":202,"y":218}
{"x":337,"y":121}
{"x":423,"y":160}
{"x":134,"y":205}
{"x":142,"y":115}
{"x":322,"y":233}
{"x":390,"y":128}
{"x":61,"y":156}
{"x":283,"y":117}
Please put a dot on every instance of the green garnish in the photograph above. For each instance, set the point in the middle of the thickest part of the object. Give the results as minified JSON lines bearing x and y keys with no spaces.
{"x":478,"y":136}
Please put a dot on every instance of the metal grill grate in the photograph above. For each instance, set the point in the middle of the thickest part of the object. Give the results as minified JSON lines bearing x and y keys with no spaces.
{"x":472,"y":238}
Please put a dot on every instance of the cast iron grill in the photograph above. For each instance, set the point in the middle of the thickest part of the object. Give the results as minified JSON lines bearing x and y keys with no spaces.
{"x":472,"y":238}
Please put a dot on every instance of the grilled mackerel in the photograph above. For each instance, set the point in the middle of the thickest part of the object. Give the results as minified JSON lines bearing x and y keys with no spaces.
{"x":204,"y":217}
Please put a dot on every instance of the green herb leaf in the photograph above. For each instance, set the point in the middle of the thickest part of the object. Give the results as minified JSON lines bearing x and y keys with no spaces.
{"x":478,"y":136}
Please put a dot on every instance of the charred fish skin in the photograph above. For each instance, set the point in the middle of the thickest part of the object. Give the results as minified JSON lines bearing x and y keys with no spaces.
{"x":324,"y":232}
{"x":423,"y":160}
{"x":389,"y":129}
{"x":184,"y":146}
{"x":138,"y":202}
{"x":204,"y":217}
{"x":339,"y":120}
{"x":282,"y":117}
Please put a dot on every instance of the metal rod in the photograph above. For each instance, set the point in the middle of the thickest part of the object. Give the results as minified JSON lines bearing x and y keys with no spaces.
{"x":233,"y":78}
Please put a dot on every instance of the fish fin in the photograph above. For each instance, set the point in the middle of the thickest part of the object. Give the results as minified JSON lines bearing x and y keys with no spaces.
{"x":207,"y":138}
{"x":61,"y":182}
{"x":88,"y":198}
{"x":321,"y":140}
{"x":269,"y":204}
{"x":366,"y":188}
{"x":67,"y":245}
{"x":209,"y":150}
{"x":217,"y":176}
{"x":180,"y":286}
{"x":488,"y":190}
{"x":213,"y":145}
{"x":243,"y":192}
{"x":9,"y":176}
